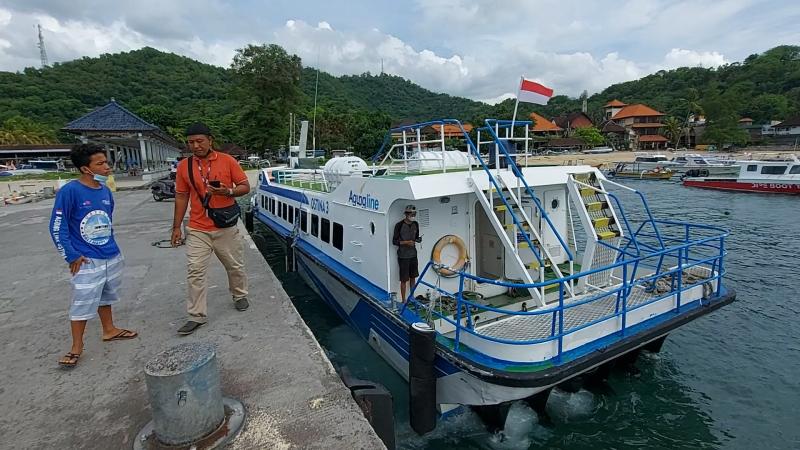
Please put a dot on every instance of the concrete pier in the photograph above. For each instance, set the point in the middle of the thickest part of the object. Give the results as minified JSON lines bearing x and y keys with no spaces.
{"x":268,"y":358}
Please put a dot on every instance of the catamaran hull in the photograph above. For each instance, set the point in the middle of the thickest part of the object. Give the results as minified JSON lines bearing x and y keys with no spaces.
{"x":459,"y":381}
{"x":389,"y":338}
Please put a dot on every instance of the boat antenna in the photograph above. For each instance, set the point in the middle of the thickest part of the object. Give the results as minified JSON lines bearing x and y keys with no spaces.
{"x":316,"y":86}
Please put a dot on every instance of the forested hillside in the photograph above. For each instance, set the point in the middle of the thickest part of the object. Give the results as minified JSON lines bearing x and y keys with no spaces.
{"x":352,"y":111}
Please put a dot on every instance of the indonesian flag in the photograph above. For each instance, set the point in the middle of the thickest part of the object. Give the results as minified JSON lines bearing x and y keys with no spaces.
{"x":533,"y":92}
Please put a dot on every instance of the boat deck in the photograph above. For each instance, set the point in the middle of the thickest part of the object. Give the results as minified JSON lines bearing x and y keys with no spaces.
{"x":531,"y":327}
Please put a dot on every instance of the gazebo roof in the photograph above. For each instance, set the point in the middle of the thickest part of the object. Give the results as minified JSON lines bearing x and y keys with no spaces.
{"x":111,"y":117}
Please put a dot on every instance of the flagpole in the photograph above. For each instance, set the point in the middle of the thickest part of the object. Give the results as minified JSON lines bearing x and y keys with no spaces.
{"x":516,"y":105}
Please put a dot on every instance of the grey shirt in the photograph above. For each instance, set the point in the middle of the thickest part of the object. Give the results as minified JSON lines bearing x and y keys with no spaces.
{"x":406,"y":232}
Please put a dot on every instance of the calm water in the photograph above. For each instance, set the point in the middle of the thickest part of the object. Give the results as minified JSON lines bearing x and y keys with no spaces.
{"x":728,"y":380}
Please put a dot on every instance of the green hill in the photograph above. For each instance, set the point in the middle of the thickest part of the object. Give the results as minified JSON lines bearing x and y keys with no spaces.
{"x":171,"y":90}
{"x":763,"y":87}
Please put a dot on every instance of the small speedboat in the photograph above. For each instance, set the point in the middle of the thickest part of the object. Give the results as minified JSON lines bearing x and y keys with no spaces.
{"x":634,"y":170}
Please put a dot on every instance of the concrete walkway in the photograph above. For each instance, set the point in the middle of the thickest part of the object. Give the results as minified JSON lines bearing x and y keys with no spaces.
{"x":268,"y":357}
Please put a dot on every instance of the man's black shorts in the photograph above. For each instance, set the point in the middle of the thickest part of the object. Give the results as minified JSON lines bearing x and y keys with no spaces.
{"x":409,"y":268}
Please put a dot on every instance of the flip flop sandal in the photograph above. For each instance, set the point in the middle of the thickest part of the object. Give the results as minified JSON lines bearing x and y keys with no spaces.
{"x":122,"y":335}
{"x":70,"y":364}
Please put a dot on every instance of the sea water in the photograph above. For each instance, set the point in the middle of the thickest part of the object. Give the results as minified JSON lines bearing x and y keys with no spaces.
{"x":727,"y":380}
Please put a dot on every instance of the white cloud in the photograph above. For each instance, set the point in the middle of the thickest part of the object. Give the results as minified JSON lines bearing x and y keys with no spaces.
{"x":678,"y":57}
{"x":472,"y":48}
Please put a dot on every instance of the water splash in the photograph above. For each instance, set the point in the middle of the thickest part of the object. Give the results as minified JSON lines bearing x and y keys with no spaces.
{"x":568,"y":407}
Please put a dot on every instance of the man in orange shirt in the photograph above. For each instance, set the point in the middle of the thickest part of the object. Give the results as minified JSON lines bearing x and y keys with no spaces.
{"x":216,"y":180}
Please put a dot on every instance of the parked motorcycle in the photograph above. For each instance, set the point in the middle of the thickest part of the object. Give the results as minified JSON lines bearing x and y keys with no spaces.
{"x":163,"y":188}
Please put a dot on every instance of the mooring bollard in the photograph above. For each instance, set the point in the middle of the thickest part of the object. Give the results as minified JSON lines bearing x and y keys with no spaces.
{"x":183,"y":383}
{"x":186,"y":399}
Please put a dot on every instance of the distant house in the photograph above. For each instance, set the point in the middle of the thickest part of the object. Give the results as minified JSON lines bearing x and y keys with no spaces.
{"x":754,"y":131}
{"x":544,"y":127}
{"x":573,"y":121}
{"x":34,"y":151}
{"x":614,"y":134}
{"x":450,"y":130}
{"x":642,"y":125}
{"x":789,"y":126}
{"x":233,"y":150}
{"x":613,"y":107}
{"x":570,"y":143}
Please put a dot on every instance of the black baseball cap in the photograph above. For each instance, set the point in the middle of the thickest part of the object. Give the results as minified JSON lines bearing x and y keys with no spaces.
{"x":198,"y":128}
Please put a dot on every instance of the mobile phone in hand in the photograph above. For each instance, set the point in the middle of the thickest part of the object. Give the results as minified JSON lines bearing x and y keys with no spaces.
{"x":214,"y":183}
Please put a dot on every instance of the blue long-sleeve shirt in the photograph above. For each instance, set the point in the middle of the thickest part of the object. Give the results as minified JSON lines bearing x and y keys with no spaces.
{"x":80,"y":223}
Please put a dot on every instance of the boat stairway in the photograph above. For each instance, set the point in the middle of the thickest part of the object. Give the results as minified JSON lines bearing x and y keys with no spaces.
{"x":523,"y":231}
{"x":597,"y":207}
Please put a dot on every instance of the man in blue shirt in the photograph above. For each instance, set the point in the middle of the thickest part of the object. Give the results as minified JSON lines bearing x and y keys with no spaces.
{"x":80,"y":226}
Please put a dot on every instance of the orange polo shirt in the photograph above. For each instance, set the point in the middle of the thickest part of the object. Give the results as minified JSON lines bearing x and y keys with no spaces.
{"x":218,"y":166}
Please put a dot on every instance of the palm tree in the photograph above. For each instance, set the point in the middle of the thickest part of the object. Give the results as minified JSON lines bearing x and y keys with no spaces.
{"x":673,"y":129}
{"x":693,"y":108}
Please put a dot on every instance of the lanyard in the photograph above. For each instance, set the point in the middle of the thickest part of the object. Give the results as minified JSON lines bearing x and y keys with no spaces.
{"x":208,"y":172}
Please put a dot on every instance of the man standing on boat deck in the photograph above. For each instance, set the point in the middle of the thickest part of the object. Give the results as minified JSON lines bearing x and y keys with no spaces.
{"x":405,"y":237}
{"x":216,"y":179}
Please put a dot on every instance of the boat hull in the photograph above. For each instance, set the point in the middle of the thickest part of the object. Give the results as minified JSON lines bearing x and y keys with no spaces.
{"x":644,"y":176}
{"x":732,"y":185}
{"x":462,"y":381}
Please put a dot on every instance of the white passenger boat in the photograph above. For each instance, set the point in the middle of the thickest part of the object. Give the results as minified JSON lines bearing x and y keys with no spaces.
{"x":776,"y":176}
{"x":521,"y":296}
{"x":658,"y":163}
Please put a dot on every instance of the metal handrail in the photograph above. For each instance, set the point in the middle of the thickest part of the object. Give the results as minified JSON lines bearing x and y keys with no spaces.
{"x":528,"y":190}
{"x":623,"y":290}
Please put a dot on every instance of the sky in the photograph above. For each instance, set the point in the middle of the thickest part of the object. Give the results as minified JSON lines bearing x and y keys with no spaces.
{"x":477,"y":49}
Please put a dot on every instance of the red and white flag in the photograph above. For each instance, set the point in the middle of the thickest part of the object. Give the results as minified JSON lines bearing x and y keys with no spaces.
{"x":533,"y":92}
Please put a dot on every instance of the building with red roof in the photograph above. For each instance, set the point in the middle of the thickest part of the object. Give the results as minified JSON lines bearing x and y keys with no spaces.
{"x":544,"y":127}
{"x":642,"y":124}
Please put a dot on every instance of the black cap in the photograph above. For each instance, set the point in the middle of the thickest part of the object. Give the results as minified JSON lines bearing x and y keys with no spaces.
{"x":198,"y":128}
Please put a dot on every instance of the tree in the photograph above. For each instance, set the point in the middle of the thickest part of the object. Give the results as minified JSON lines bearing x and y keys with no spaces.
{"x":21,"y":130}
{"x":590,"y":135}
{"x":673,"y":129}
{"x":158,"y":115}
{"x":722,"y":125}
{"x":267,"y":88}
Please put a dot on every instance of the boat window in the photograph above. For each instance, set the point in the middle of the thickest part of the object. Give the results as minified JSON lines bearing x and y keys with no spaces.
{"x":280,"y":209}
{"x":372,"y":225}
{"x":773,"y":170}
{"x":315,"y":225}
{"x":272,"y":206}
{"x":338,"y":235}
{"x":795,"y":169}
{"x":290,"y":217}
{"x":304,"y":221}
{"x":285,"y":211}
{"x":325,"y":233}
{"x":751,"y":167}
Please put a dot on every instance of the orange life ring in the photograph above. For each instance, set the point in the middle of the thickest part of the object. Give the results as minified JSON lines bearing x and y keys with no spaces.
{"x":436,"y":255}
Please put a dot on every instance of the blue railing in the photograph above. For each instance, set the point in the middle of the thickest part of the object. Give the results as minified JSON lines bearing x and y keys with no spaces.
{"x":708,"y":253}
{"x":517,"y":173}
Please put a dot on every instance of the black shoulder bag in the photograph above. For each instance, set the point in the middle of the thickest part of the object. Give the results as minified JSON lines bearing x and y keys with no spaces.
{"x":222,"y":217}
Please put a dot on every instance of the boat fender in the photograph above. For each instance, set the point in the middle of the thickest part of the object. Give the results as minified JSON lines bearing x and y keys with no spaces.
{"x":248,"y":220}
{"x":436,"y":255}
